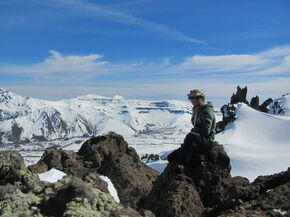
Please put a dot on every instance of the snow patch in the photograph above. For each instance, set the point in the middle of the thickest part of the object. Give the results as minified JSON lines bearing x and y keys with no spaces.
{"x":112,"y":190}
{"x":52,"y":175}
{"x":280,"y":211}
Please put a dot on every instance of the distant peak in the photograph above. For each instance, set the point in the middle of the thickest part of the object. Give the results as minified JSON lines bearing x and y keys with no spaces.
{"x":118,"y":97}
{"x":3,"y":90}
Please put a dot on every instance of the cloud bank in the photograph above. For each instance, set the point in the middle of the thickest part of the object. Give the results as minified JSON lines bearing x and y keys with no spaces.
{"x":267,"y":73}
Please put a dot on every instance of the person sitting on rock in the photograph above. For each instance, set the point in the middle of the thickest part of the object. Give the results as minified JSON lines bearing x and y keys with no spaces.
{"x":201,"y":136}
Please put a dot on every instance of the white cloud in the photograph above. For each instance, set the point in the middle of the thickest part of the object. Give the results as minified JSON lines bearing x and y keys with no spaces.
{"x":59,"y":63}
{"x":61,"y":76}
{"x":282,"y":67}
{"x":223,"y":63}
{"x":60,"y":68}
{"x":96,"y":10}
{"x":272,"y":61}
{"x":276,"y":51}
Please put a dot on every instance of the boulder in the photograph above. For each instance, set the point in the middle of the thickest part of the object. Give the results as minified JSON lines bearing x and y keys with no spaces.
{"x":112,"y":157}
{"x":187,"y":191}
{"x":13,"y":171}
{"x":208,"y":170}
{"x":174,"y":194}
{"x":67,"y":161}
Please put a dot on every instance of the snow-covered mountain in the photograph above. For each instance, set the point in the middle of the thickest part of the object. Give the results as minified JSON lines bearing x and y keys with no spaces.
{"x":26,"y":119}
{"x":257,"y":143}
{"x":280,"y":106}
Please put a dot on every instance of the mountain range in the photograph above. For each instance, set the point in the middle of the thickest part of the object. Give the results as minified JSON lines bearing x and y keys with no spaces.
{"x":26,"y":119}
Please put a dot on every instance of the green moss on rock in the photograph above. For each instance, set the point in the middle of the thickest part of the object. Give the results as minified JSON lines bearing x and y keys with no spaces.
{"x":20,"y":204}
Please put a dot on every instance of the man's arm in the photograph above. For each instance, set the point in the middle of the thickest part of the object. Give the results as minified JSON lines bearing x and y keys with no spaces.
{"x":207,"y":117}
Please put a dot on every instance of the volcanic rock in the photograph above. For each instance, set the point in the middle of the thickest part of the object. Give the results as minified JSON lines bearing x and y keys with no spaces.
{"x":13,"y":171}
{"x":264,"y":106}
{"x":173,"y":195}
{"x":240,"y":96}
{"x":111,"y":155}
{"x":255,"y":102}
{"x":23,"y":194}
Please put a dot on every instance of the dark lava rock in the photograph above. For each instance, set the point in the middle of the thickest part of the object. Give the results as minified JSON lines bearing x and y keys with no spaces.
{"x":108,"y":155}
{"x":208,"y":174}
{"x":150,"y":157}
{"x":67,"y":161}
{"x":186,"y":192}
{"x":23,"y":194}
{"x":276,"y":108}
{"x":264,"y":106}
{"x":13,"y":171}
{"x":272,"y":181}
{"x":260,"y":198}
{"x":240,"y":96}
{"x":173,"y":195}
{"x":255,"y":102}
{"x":275,"y":203}
{"x":229,"y":115}
{"x":111,"y":155}
{"x":204,"y":187}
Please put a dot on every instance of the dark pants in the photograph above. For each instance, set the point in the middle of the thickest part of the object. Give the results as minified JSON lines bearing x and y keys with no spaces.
{"x":193,"y":144}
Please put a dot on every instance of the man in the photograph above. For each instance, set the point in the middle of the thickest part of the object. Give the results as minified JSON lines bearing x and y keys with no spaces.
{"x":201,"y":136}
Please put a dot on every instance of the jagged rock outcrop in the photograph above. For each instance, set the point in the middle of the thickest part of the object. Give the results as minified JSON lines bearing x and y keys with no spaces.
{"x":264,"y":106}
{"x":150,"y":157}
{"x":255,"y":102}
{"x":229,"y":110}
{"x":67,"y":161}
{"x":229,"y":115}
{"x":174,"y":194}
{"x":14,"y":172}
{"x":111,"y":155}
{"x":273,"y":198}
{"x":200,"y":182}
{"x":108,"y":155}
{"x":211,"y":191}
{"x":240,"y":96}
{"x":23,"y":194}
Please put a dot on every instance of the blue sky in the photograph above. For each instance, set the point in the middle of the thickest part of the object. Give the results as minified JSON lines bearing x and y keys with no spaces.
{"x":148,"y":49}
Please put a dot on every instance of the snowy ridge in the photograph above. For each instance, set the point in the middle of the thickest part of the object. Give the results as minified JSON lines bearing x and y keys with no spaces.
{"x":257,"y":143}
{"x":25,"y":119}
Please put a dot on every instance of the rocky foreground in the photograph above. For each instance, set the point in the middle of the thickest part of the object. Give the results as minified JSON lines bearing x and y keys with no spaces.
{"x":202,"y":188}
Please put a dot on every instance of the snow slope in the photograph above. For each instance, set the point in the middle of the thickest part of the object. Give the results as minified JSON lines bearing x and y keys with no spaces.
{"x":257,"y":143}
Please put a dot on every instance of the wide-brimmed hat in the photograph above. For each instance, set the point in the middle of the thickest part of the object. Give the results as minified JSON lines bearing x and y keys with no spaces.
{"x":195,"y":93}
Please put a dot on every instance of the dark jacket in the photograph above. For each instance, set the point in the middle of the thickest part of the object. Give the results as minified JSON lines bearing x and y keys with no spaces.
{"x":203,"y":120}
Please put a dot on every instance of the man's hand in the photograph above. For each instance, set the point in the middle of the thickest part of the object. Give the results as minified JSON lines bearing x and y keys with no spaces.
{"x":188,"y":138}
